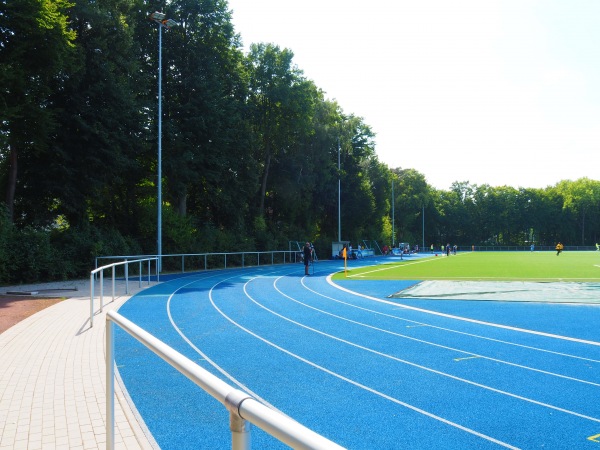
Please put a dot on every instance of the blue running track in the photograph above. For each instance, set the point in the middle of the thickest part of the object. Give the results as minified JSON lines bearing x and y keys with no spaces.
{"x":364,"y":370}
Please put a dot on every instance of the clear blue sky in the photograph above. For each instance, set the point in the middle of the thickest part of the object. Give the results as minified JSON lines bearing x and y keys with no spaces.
{"x":504,"y":92}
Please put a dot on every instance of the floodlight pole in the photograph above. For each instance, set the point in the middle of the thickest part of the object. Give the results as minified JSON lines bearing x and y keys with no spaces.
{"x":423,"y":243}
{"x":162,"y":21}
{"x":339,"y":196}
{"x":159,"y":200}
{"x":393,"y":217}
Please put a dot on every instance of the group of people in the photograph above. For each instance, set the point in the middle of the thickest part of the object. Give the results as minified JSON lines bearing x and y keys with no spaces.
{"x":388,"y":249}
{"x":403,"y":249}
{"x":445,"y":249}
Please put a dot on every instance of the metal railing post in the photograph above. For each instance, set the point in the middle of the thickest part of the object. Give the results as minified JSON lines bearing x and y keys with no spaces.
{"x":126,"y":278}
{"x":101,"y":290}
{"x":92,"y":299}
{"x":94,"y":276}
{"x":240,"y":427}
{"x":240,"y":432}
{"x":110,"y":386}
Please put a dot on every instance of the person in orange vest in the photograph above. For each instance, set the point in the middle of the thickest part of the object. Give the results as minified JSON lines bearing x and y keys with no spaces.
{"x":559,"y":248}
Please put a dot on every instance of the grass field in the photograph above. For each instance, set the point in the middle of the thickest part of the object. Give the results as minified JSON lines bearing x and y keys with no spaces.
{"x":486,"y":266}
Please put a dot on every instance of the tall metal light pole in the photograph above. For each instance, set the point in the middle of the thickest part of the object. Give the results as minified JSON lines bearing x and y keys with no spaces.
{"x":393,"y":217}
{"x":163,"y":22}
{"x":339,"y":196}
{"x":423,"y":246}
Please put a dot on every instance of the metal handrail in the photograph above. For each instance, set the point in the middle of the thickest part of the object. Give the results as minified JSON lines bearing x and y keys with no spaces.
{"x":286,"y":256}
{"x":243,"y":409}
{"x":112,"y":266}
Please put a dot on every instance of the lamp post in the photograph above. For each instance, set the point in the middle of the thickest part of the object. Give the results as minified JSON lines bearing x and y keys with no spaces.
{"x":423,"y":246}
{"x":393,"y":216}
{"x":339,"y":196}
{"x":163,"y":22}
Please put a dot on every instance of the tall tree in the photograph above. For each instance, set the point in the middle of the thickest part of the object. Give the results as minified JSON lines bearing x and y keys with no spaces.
{"x":207,"y":169}
{"x":35,"y":46}
{"x":94,"y":164}
{"x":275,"y":105}
{"x":411,"y":195}
{"x":581,"y":198}
{"x":357,"y":147}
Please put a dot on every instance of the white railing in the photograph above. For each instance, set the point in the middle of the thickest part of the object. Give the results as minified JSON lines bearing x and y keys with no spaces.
{"x":243,"y":409}
{"x":100,"y":271}
{"x":221,"y":260}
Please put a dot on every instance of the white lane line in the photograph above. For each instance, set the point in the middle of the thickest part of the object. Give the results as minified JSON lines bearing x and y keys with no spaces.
{"x":465,"y":319}
{"x":433,"y":344}
{"x":393,"y":266}
{"x":204,"y":355}
{"x":353,"y":382}
{"x":428,"y":369}
{"x":450,"y":330}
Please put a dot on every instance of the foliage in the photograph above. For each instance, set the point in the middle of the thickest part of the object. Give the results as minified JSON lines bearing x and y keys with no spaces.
{"x":6,"y":232}
{"x":253,"y":153}
{"x":35,"y":51}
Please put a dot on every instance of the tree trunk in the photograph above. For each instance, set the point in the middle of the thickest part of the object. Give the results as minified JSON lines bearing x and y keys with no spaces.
{"x":182,"y":203}
{"x":583,"y":228}
{"x":263,"y":189}
{"x":12,"y":182}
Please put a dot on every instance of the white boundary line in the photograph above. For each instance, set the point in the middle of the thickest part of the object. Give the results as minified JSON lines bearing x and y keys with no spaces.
{"x":465,"y":319}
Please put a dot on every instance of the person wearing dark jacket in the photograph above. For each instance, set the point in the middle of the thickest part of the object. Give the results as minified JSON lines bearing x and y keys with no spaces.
{"x":307,"y":253}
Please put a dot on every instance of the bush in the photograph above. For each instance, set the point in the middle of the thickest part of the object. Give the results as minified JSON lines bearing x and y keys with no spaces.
{"x":30,"y":255}
{"x":6,"y":230}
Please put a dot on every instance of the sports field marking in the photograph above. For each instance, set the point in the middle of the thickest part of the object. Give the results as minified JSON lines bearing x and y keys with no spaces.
{"x":204,"y":355}
{"x":420,"y":324}
{"x":390,"y":266}
{"x":471,"y":355}
{"x":348,"y":380}
{"x":468,"y":357}
{"x":466,"y":319}
{"x":366,"y":387}
{"x":393,"y":358}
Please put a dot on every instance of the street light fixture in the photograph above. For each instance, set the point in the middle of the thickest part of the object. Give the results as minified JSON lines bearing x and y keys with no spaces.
{"x":163,"y":22}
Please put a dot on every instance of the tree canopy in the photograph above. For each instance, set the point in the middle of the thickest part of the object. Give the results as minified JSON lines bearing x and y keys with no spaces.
{"x":253,"y":151}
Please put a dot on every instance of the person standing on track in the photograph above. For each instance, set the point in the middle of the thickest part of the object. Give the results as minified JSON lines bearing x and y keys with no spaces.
{"x":307,"y":253}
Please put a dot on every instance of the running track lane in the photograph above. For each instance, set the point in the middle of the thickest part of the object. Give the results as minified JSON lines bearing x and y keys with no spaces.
{"x":361,"y":370}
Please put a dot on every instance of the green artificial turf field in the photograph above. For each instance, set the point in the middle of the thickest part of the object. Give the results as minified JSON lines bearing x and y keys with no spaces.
{"x":485,"y":266}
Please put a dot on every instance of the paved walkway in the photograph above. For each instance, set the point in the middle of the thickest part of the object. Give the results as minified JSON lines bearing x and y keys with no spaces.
{"x":53,"y":376}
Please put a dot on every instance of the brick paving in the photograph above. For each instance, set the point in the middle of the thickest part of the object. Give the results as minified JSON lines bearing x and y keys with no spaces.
{"x":53,"y":378}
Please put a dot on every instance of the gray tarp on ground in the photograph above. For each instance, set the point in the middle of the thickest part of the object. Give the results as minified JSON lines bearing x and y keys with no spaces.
{"x":522,"y":291}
